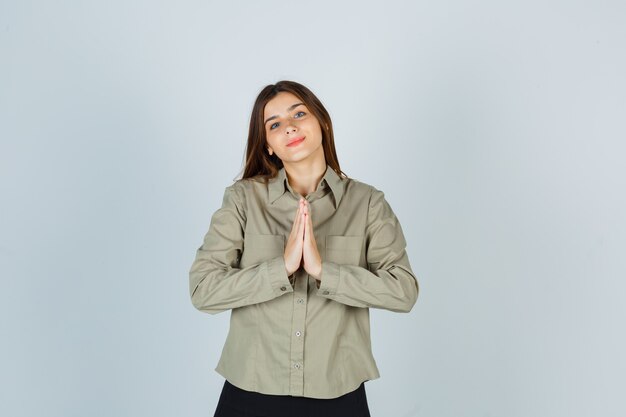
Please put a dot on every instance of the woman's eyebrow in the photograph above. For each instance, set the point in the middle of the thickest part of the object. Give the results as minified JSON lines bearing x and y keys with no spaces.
{"x":293,"y":106}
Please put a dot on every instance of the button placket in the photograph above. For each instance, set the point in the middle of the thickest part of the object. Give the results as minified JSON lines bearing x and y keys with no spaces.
{"x":296,"y":385}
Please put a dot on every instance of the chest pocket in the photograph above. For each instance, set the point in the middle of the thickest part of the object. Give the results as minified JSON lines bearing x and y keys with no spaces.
{"x":345,"y":250}
{"x":259,"y":248}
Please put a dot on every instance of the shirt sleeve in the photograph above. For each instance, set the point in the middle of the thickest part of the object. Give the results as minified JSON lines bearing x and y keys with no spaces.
{"x":389,"y":282}
{"x":216,"y":283}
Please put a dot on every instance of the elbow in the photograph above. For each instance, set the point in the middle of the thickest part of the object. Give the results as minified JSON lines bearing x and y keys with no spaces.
{"x":204,"y":300}
{"x":408,"y":304}
{"x":203,"y":306}
{"x":410,"y":288}
{"x":196,"y":302}
{"x":411,"y":295}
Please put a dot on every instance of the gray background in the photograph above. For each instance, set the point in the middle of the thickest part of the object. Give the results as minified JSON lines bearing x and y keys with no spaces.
{"x":496,"y":130}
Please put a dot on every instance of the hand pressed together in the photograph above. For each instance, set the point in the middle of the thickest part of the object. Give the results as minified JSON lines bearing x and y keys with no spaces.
{"x":301,"y":248}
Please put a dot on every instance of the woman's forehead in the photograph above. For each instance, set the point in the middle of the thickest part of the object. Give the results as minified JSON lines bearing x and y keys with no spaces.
{"x":283,"y":102}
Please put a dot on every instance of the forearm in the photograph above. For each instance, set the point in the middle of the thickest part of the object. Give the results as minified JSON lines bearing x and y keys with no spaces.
{"x":394,"y":288}
{"x":214,"y":289}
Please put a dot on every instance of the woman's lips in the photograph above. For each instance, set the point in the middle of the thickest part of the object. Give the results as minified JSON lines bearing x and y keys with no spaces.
{"x":295,"y":142}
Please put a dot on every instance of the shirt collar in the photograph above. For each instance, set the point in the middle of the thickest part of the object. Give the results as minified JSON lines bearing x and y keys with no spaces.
{"x":279,"y":184}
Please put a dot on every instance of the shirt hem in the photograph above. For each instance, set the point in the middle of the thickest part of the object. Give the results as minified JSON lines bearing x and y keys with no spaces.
{"x":318,"y":395}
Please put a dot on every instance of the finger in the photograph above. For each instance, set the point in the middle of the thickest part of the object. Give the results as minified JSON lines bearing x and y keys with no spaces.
{"x":305,"y":220}
{"x":301,"y":223}
{"x":296,"y":221}
{"x":309,"y":223}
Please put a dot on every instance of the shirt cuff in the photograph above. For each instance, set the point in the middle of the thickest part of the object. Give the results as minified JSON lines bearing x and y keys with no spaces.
{"x":277,"y":275}
{"x":329,"y":278}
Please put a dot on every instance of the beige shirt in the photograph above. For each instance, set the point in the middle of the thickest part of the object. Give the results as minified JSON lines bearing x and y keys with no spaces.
{"x":295,"y":338}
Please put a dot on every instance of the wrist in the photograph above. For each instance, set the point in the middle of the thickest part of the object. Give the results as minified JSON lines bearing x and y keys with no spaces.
{"x":318,"y":274}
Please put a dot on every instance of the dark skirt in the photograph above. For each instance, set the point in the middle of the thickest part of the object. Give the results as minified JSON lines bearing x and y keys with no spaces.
{"x":236,"y":402}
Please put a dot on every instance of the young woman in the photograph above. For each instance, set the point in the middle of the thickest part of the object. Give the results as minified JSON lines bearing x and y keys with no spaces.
{"x":299,"y":252}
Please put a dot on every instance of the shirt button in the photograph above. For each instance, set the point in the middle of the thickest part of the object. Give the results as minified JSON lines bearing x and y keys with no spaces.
{"x":300,"y":301}
{"x":325,"y":292}
{"x":298,"y":333}
{"x":283,"y":288}
{"x":296,"y":365}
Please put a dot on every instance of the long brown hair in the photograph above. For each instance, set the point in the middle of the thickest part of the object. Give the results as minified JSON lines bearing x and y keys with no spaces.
{"x":258,"y":162}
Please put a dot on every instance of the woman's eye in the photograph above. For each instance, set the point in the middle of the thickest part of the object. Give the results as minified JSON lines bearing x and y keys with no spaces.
{"x":273,"y":125}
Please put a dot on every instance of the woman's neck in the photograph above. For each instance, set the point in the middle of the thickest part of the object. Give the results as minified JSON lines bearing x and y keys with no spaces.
{"x":305,"y":177}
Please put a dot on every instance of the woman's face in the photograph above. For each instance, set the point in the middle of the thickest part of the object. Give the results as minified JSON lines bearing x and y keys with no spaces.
{"x":292,"y":131}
